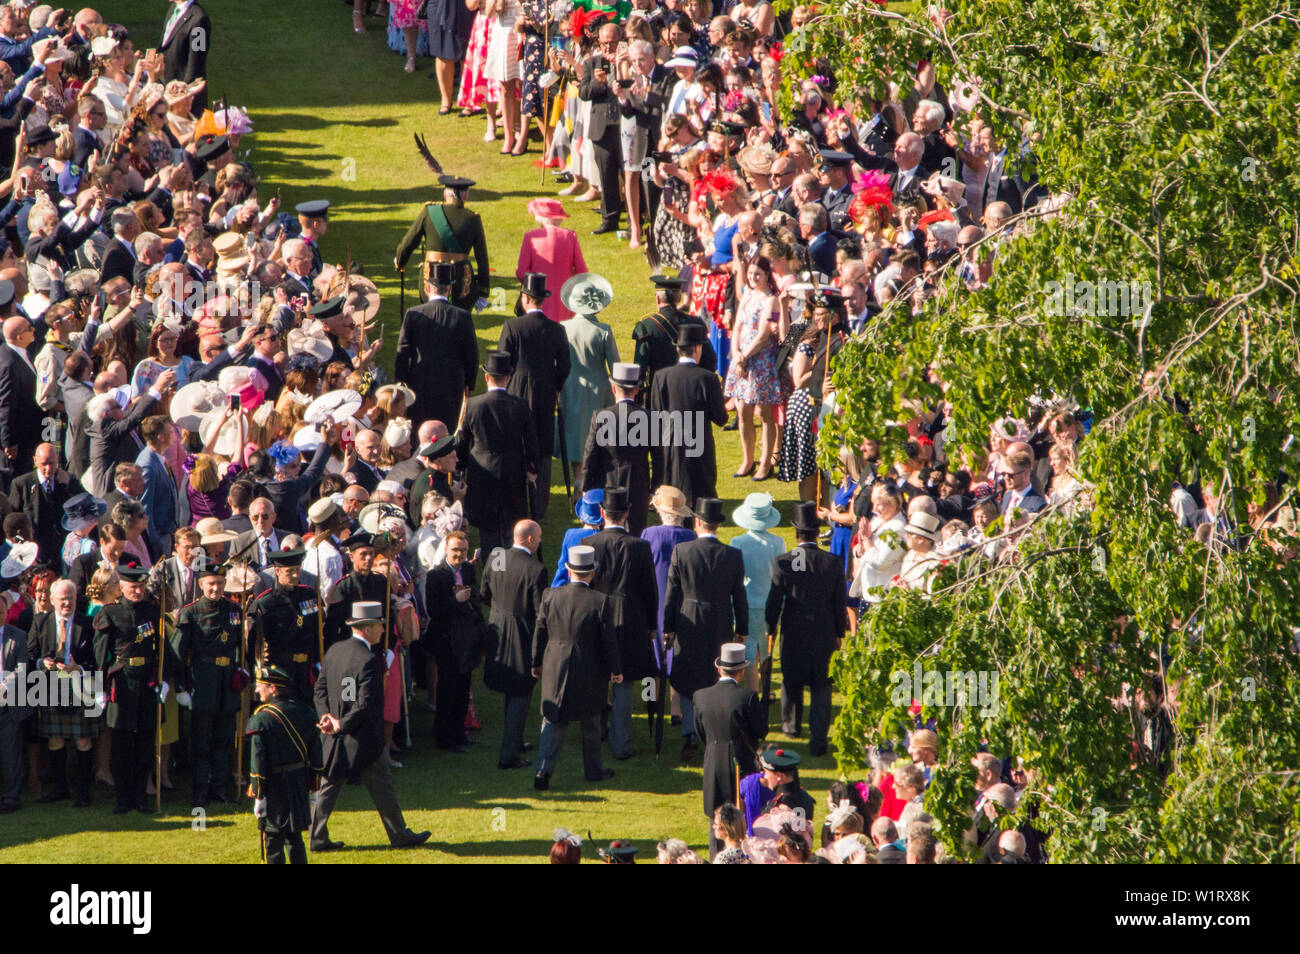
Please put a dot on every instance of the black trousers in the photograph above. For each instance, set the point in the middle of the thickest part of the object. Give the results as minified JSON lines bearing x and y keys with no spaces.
{"x":212,"y":743}
{"x":453,"y":702}
{"x":819,"y":715}
{"x":275,"y":845}
{"x":131,"y":759}
{"x":608,"y":153}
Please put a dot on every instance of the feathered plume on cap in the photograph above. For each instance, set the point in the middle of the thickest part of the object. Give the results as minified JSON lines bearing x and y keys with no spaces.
{"x":563,"y":834}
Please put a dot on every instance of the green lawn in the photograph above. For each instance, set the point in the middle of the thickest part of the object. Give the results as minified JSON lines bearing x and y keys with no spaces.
{"x":325,"y":104}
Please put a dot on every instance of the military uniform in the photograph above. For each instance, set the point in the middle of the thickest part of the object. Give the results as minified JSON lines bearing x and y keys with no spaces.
{"x":284,"y":749}
{"x":208,"y":645}
{"x":451,"y":233}
{"x":284,"y":633}
{"x":127,"y":644}
{"x":353,"y":588}
{"x":656,"y":343}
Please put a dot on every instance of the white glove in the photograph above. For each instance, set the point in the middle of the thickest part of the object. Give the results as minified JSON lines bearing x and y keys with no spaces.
{"x":388,"y":659}
{"x":480,"y":304}
{"x":101,"y":699}
{"x":183,"y":699}
{"x":162,"y":693}
{"x":259,"y":808}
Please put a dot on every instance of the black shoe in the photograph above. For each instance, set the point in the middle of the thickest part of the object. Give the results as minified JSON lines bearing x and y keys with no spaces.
{"x":605,"y":774}
{"x":604,"y":230}
{"x":82,"y":800}
{"x":413,"y":839}
{"x":223,"y":799}
{"x":623,"y":758}
{"x":526,"y":747}
{"x":675,"y":721}
{"x":458,"y":749}
{"x":689,"y":750}
{"x":146,"y":809}
{"x":541,"y":782}
{"x":8,"y":808}
{"x":58,"y":795}
{"x":122,"y":809}
{"x":564,"y":177}
{"x":199,"y":803}
{"x":327,"y":846}
{"x":746,"y":472}
{"x":818,"y":751}
{"x":733,"y":425}
{"x":517,"y":763}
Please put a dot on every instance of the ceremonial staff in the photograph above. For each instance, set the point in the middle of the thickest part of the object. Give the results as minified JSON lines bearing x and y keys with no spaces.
{"x":740,"y":803}
{"x":767,"y":673}
{"x":320,"y":618}
{"x":546,"y":106}
{"x":157,"y":751}
{"x":826,"y":376}
{"x":243,"y":690}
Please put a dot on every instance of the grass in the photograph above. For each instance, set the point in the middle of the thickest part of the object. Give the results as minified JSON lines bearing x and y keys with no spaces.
{"x":333,"y":117}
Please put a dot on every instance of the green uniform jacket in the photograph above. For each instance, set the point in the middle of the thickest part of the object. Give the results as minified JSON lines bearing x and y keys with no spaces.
{"x":207,"y":642}
{"x":284,"y":748}
{"x":468,"y":229}
{"x":127,"y":642}
{"x":284,"y":621}
{"x":656,"y":343}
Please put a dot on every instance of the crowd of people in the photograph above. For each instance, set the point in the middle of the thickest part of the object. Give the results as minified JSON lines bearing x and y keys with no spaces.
{"x":213,"y":486}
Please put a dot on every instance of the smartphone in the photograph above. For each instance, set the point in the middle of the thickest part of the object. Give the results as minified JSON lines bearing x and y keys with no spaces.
{"x":625,"y":84}
{"x":178,"y":156}
{"x":235,"y":402}
{"x":102,"y":301}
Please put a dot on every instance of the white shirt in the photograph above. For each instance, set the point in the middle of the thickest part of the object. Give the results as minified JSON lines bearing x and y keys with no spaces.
{"x":325,"y":561}
{"x":882,"y":559}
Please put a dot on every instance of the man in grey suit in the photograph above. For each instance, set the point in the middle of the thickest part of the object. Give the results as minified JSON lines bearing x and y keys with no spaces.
{"x":111,"y":432}
{"x":350,"y":703}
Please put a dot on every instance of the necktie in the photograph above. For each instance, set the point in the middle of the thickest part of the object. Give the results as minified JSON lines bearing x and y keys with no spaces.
{"x":65,"y":647}
{"x":49,"y":487}
{"x":456,"y":571}
{"x":261,"y":548}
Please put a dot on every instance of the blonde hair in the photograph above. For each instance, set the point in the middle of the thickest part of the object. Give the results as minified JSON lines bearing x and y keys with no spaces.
{"x":203,"y":476}
{"x":102,"y":584}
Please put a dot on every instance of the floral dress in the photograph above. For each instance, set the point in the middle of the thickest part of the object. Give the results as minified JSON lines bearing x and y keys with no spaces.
{"x":475,"y":88}
{"x":402,"y":16}
{"x":759,"y":383}
{"x":532,"y":60}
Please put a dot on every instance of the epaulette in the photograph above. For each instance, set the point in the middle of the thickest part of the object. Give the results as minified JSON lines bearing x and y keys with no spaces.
{"x":263,"y":593}
{"x":190,"y":603}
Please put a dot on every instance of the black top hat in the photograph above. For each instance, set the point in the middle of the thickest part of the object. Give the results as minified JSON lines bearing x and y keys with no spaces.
{"x":286,"y":557}
{"x":132,"y":572}
{"x":709,"y":510}
{"x":456,"y":182}
{"x":442,"y":273}
{"x":805,"y":516}
{"x":328,"y":308}
{"x":439,"y":448}
{"x":315,"y":209}
{"x":498,"y":364}
{"x":534,"y":286}
{"x":362,"y":538}
{"x":615,"y":500}
{"x":689,"y":334}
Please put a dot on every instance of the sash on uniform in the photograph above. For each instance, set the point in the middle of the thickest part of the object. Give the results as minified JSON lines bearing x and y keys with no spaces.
{"x":438,"y":216}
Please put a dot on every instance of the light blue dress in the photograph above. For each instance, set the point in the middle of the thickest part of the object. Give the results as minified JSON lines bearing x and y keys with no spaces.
{"x":593,"y":352}
{"x":760,"y":550}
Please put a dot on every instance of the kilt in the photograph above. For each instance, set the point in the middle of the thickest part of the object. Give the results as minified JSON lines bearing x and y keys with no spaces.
{"x":68,"y":722}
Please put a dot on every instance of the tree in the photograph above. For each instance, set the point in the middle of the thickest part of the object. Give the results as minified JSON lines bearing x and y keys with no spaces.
{"x":1167,"y":133}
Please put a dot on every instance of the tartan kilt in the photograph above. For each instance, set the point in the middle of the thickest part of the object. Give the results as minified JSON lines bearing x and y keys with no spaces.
{"x":68,"y":722}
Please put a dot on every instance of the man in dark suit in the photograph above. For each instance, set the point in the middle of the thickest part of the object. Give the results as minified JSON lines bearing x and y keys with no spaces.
{"x":266,"y":345}
{"x":41,"y":495}
{"x":575,"y":654}
{"x":186,"y":41}
{"x":821,"y":243}
{"x":13,"y":654}
{"x":350,"y":702}
{"x":656,"y":334}
{"x":437,"y":352}
{"x":112,"y":434}
{"x":596,"y":87}
{"x":807,"y":600}
{"x":119,"y":255}
{"x":498,"y":445}
{"x":366,"y":469}
{"x":514,"y":582}
{"x":255,"y":545}
{"x":539,"y":354}
{"x":688,"y":399}
{"x":455,"y":633}
{"x":62,"y":641}
{"x":837,"y":173}
{"x":617,"y":453}
{"x":732,"y":723}
{"x":20,"y":415}
{"x":705,"y":606}
{"x":1016,"y":475}
{"x":625,"y":572}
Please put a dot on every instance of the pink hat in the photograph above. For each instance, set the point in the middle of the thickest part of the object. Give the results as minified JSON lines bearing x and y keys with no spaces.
{"x":546,"y":208}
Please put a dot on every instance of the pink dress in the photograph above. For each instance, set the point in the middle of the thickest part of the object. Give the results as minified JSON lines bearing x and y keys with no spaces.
{"x":475,"y":88}
{"x":404,"y":13}
{"x":555,"y":253}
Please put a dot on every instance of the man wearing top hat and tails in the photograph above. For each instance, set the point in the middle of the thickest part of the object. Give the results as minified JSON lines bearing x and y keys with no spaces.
{"x":656,"y":334}
{"x":688,"y":399}
{"x":539,"y":352}
{"x":731,"y":722}
{"x":575,"y":654}
{"x":617,"y":453}
{"x":498,"y":445}
{"x":451,"y":232}
{"x":437,"y":353}
{"x":284,"y":750}
{"x":349,"y":699}
{"x":705,"y":606}
{"x":808,"y":601}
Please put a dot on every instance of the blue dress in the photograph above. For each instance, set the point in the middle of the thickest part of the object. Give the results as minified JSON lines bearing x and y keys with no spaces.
{"x":760,"y":550}
{"x":662,"y":540}
{"x":841,"y":536}
{"x":571,"y":539}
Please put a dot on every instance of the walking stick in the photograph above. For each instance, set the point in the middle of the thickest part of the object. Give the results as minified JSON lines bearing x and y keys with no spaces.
{"x":401,"y":294}
{"x":546,"y":108}
{"x":406,"y":708}
{"x":320,"y":620}
{"x":243,"y":699}
{"x":826,"y":376}
{"x":157,"y":751}
{"x":388,"y":602}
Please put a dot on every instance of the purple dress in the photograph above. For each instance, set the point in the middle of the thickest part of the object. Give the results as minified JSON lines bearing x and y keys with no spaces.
{"x":662,"y":540}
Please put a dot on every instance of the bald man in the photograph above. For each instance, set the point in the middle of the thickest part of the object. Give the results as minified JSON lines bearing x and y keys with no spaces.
{"x":513,"y":583}
{"x":20,"y":415}
{"x":41,"y":494}
{"x":406,"y":471}
{"x":367,"y":470}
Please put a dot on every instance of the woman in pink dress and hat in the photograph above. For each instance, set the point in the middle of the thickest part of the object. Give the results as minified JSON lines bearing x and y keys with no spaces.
{"x":551,"y":250}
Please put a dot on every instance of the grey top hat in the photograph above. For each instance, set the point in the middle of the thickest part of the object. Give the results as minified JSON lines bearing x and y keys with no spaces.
{"x":363,"y":613}
{"x":626,"y":374}
{"x":733,"y":656}
{"x":581,"y":559}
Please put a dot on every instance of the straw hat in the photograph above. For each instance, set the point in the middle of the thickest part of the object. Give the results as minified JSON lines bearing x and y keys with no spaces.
{"x":670,"y":500}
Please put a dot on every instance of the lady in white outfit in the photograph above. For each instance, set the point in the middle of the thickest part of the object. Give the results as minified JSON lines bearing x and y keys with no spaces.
{"x":878,"y":557}
{"x":503,"y":63}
